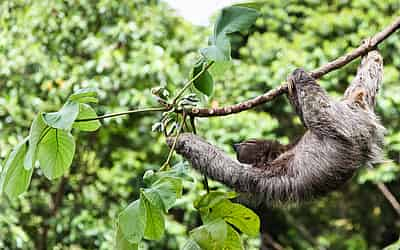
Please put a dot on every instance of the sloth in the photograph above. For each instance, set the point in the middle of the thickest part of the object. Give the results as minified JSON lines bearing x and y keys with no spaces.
{"x":341,"y":137}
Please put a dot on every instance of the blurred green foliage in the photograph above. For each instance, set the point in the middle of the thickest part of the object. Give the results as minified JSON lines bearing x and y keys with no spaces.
{"x":48,"y":49}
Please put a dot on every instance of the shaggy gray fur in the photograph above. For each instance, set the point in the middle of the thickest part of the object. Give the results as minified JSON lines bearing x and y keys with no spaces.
{"x":341,"y":137}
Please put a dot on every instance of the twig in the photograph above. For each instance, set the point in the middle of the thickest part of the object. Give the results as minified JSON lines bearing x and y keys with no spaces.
{"x":365,"y":47}
{"x":303,"y":231}
{"x":266,"y":237}
{"x":172,"y":149}
{"x":155,"y":109}
{"x":389,"y":196}
{"x":189,"y":83}
{"x":135,"y":111}
{"x":55,"y":204}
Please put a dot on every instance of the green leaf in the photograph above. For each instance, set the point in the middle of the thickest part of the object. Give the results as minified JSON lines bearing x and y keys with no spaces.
{"x":132,"y":221}
{"x":86,"y":112}
{"x":155,"y":224}
{"x":55,"y":153}
{"x":218,"y":68}
{"x":123,"y":244}
{"x":38,"y":129}
{"x":84,"y":95}
{"x":238,"y":215}
{"x":211,"y":236}
{"x":233,"y":241}
{"x":204,"y":83}
{"x":191,"y":245}
{"x":232,"y":19}
{"x":212,"y":198}
{"x":64,"y":118}
{"x":15,"y":179}
{"x":179,"y":170}
{"x":252,"y":4}
{"x":153,"y":197}
{"x":169,"y":189}
{"x":218,"y":52}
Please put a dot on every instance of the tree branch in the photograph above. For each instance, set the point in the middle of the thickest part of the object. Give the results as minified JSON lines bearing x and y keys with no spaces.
{"x":389,"y":196}
{"x":317,"y":164}
{"x":366,"y":46}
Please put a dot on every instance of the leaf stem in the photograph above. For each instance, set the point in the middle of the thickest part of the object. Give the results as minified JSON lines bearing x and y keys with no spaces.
{"x":155,"y":109}
{"x":171,"y":151}
{"x":188,"y":83}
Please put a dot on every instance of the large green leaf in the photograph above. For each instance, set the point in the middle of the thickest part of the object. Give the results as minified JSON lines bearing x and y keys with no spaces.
{"x":179,"y":170}
{"x":232,"y":19}
{"x":153,"y":197}
{"x":123,"y":244}
{"x":238,"y":215}
{"x":86,"y":112}
{"x":169,"y":189}
{"x":15,"y":179}
{"x":55,"y":153}
{"x":252,"y":4}
{"x":213,"y":198}
{"x":233,"y":241}
{"x":132,"y":221}
{"x":155,"y":224}
{"x":191,"y":245}
{"x":204,"y":83}
{"x":64,"y":118}
{"x":38,"y":129}
{"x":211,"y":236}
{"x":84,"y":95}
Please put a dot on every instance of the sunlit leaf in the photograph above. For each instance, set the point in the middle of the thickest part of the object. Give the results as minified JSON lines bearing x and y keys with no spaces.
{"x":252,"y":4}
{"x":169,"y":189}
{"x":132,"y":221}
{"x":64,"y":118}
{"x":232,"y":19}
{"x":55,"y":153}
{"x":38,"y":129}
{"x":85,"y":95}
{"x":191,"y":245}
{"x":14,"y":178}
{"x":123,"y":244}
{"x":238,"y":215}
{"x":86,"y":112}
{"x":233,"y":241}
{"x":179,"y":170}
{"x":212,"y":198}
{"x":155,"y":222}
{"x":211,"y":236}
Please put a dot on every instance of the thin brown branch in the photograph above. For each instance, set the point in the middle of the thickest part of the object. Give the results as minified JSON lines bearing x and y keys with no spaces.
{"x":55,"y":204}
{"x":389,"y":196}
{"x":367,"y":45}
{"x":135,"y":111}
{"x":267,"y":239}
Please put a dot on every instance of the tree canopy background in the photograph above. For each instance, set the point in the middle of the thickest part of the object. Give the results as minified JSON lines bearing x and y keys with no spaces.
{"x":50,"y":48}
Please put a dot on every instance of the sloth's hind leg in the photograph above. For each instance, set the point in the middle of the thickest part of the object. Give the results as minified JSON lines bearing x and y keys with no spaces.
{"x":365,"y":86}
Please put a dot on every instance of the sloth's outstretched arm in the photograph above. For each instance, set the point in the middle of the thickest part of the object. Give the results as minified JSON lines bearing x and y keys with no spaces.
{"x":217,"y":164}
